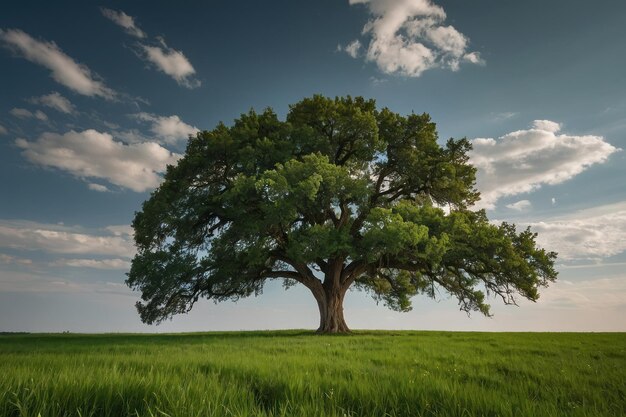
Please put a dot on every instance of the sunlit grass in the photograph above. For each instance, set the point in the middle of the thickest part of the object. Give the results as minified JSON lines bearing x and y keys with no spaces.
{"x":296,"y":373}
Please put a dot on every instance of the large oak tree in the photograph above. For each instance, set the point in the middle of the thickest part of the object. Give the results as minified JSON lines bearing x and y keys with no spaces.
{"x":339,"y":195}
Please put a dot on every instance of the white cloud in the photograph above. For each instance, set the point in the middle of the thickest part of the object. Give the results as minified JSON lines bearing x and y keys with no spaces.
{"x":64,"y":69}
{"x":121,"y":230}
{"x":474,"y":58}
{"x":55,"y":101}
{"x":27,"y":114}
{"x":408,"y":37}
{"x":122,"y":19}
{"x":21,"y":113}
{"x":25,"y":235}
{"x":172,"y":62}
{"x":8,"y":260}
{"x":3,"y":130}
{"x":520,"y":205}
{"x":94,"y":263}
{"x":36,"y":282}
{"x":168,"y":60}
{"x":170,"y":129}
{"x":98,"y":187}
{"x":91,"y":154}
{"x":599,"y":293}
{"x":595,"y":233}
{"x":352,"y":49}
{"x":524,"y":160}
{"x":547,"y":125}
{"x":553,"y":200}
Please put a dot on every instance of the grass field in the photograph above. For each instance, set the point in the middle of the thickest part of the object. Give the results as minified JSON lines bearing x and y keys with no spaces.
{"x":296,"y":373}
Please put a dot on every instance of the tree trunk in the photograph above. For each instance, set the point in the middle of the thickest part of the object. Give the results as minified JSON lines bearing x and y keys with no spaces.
{"x":330,"y":303}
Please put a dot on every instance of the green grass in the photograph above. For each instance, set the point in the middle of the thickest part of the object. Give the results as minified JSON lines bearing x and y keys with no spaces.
{"x":295,"y":373}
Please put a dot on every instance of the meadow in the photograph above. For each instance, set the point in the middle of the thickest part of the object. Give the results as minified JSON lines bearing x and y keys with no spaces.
{"x":297,"y":373}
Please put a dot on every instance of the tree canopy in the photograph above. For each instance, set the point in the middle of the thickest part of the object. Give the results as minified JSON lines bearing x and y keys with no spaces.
{"x":339,"y":195}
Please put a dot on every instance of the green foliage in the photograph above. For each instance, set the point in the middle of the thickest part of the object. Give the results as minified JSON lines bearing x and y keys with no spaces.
{"x":262,"y":374}
{"x":340,"y":193}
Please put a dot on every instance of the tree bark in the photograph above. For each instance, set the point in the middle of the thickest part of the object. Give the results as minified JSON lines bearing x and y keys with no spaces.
{"x":330,"y":303}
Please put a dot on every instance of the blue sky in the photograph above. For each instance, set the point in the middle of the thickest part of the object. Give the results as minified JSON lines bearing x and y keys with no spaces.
{"x":95,"y":100}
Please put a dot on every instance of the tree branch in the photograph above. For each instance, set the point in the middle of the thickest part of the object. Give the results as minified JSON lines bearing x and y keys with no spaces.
{"x":323,"y":265}
{"x":353,"y":271}
{"x":345,"y":215}
{"x":307,"y":278}
{"x":283,"y":274}
{"x":331,"y":214}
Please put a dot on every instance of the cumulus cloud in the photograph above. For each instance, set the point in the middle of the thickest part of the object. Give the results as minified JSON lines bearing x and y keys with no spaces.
{"x":91,"y":154}
{"x":25,"y":235}
{"x":169,"y":129}
{"x":94,"y":263}
{"x":27,"y":114}
{"x":546,"y":125}
{"x":520,"y":205}
{"x":125,"y":21}
{"x":172,"y":62}
{"x":594,"y":233}
{"x":524,"y":160}
{"x":3,"y":130}
{"x":55,"y":101}
{"x":408,"y":37}
{"x":64,"y":69}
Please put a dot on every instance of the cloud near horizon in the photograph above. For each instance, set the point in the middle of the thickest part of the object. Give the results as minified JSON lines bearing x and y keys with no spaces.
{"x":92,"y":154}
{"x":115,"y":263}
{"x":59,"y":239}
{"x":44,"y":283}
{"x":601,"y":293}
{"x":590,"y":234}
{"x":408,"y":37}
{"x":64,"y":69}
{"x":523,"y":161}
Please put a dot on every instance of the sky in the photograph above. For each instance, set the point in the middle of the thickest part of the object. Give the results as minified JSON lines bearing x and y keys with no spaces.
{"x":97,"y":98}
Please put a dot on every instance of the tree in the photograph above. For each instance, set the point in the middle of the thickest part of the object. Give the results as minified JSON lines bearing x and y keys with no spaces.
{"x":339,"y":195}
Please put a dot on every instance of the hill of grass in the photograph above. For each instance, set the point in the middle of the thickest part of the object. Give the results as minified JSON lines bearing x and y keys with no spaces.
{"x":296,"y":373}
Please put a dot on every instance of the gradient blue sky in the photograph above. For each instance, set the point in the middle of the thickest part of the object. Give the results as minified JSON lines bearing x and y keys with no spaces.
{"x":95,"y":99}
